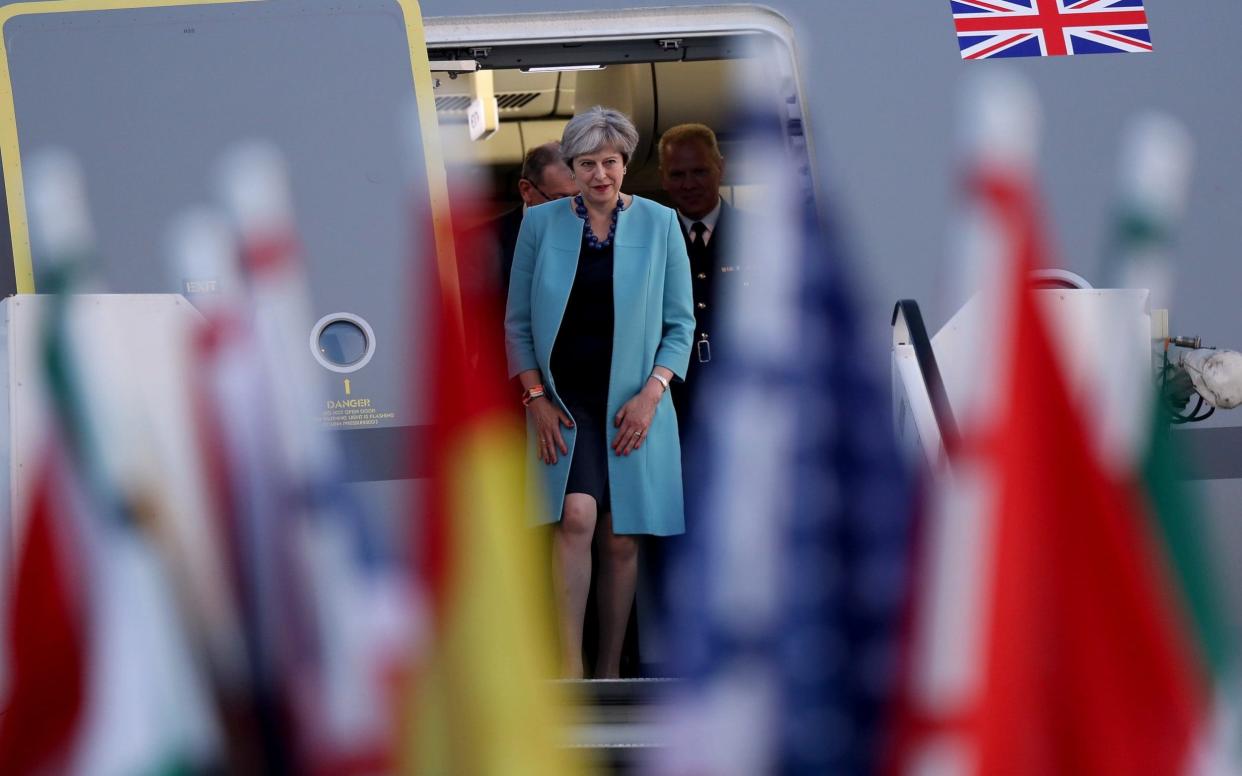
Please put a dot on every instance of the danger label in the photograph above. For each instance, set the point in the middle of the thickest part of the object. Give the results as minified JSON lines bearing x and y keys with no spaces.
{"x":353,"y":413}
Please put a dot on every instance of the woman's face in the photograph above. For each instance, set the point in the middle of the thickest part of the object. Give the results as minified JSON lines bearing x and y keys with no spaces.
{"x":599,"y":176}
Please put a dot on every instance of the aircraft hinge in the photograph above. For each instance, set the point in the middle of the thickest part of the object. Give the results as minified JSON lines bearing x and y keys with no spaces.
{"x":670,"y":44}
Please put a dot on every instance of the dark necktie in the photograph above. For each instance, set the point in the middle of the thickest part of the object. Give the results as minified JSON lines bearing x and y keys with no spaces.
{"x":697,"y":230}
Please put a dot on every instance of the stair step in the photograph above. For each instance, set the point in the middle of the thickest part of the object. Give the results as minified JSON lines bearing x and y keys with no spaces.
{"x":614,"y":692}
{"x":618,"y":720}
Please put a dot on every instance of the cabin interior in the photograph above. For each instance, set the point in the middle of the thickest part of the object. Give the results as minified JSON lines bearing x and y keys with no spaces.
{"x":536,"y":101}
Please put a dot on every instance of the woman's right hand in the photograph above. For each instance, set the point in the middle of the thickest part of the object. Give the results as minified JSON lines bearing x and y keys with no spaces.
{"x":548,"y":421}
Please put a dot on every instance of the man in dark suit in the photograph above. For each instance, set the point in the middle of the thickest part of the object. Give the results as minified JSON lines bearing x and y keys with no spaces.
{"x":691,"y":170}
{"x":545,"y":177}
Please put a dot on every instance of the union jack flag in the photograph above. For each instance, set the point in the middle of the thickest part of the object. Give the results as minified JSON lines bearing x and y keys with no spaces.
{"x":1049,"y":28}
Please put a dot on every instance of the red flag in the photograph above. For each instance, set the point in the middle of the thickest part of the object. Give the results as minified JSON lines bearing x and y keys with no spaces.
{"x":1080,"y":663}
{"x":468,"y":387}
{"x":46,"y":636}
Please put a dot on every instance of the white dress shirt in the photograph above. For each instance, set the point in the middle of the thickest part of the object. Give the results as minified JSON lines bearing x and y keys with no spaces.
{"x":708,"y":221}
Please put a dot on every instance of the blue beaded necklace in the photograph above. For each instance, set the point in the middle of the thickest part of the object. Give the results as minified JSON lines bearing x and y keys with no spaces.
{"x":593,"y":241}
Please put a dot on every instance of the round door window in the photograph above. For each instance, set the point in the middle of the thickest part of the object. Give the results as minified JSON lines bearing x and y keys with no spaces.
{"x":342,"y":342}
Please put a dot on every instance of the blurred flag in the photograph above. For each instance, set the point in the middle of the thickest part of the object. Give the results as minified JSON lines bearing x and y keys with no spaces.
{"x":1154,"y":177}
{"x":1047,"y":635}
{"x":485,"y":701}
{"x":1049,"y":28}
{"x":141,"y":705}
{"x":47,"y":615}
{"x":1154,"y":186}
{"x":328,"y":601}
{"x":241,"y":458}
{"x":788,"y":597}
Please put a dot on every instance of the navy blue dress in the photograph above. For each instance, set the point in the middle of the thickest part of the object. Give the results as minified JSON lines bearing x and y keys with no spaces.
{"x":581,"y":365}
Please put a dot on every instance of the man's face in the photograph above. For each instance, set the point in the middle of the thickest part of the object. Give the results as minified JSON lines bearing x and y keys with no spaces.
{"x":553,"y":183}
{"x":691,"y":176}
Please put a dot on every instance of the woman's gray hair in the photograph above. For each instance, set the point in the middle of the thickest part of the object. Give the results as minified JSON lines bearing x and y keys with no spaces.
{"x":596,"y":128}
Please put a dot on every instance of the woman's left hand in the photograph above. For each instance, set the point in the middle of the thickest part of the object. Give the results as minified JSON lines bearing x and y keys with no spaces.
{"x":634,"y":419}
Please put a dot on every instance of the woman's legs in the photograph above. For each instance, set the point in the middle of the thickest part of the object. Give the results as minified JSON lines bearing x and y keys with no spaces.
{"x":571,"y":558}
{"x":614,"y":591}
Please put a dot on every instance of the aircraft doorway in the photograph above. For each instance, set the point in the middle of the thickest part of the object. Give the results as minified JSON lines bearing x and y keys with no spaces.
{"x":660,"y":68}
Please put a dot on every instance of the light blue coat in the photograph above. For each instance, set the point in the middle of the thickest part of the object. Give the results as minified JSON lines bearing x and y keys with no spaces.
{"x":653,"y":326}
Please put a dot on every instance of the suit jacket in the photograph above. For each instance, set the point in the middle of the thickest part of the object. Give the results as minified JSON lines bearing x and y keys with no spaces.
{"x":653,"y":326}
{"x":712,"y":272}
{"x":505,"y":227}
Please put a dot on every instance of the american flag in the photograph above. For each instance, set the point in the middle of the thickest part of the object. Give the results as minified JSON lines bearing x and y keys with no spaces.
{"x":789,"y":592}
{"x":1049,"y":28}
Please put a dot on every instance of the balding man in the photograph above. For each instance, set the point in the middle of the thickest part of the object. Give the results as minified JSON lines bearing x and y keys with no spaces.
{"x":545,"y":177}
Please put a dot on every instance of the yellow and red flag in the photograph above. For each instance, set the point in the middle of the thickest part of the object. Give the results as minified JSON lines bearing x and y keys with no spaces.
{"x":486,"y":702}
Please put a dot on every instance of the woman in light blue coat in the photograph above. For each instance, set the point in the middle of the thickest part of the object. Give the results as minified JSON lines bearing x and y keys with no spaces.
{"x":600,"y":319}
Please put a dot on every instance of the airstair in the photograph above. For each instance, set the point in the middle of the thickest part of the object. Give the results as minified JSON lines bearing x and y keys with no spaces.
{"x":617,"y":721}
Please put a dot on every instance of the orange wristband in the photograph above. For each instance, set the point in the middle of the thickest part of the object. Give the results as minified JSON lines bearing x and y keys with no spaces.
{"x":530,"y":394}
